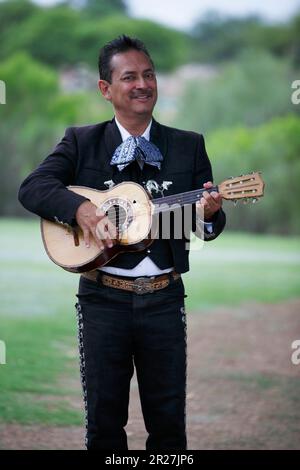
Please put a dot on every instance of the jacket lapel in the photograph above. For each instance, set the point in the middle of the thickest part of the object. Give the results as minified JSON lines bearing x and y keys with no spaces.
{"x":112,"y":138}
{"x":159,"y":138}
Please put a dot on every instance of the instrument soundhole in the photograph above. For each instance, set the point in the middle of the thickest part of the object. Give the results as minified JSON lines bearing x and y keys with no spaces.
{"x":117,"y":215}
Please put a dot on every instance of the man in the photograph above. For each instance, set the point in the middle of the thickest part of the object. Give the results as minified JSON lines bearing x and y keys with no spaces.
{"x":119,"y":328}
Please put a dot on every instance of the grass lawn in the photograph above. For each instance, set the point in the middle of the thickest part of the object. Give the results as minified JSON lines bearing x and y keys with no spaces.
{"x":38,"y":322}
{"x":237,"y":268}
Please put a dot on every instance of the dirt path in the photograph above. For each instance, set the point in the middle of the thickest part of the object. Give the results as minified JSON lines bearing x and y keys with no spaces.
{"x":243,"y":390}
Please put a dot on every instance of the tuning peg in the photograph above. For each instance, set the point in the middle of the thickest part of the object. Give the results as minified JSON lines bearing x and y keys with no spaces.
{"x":246,"y":200}
{"x":235,"y":201}
{"x":254,"y":200}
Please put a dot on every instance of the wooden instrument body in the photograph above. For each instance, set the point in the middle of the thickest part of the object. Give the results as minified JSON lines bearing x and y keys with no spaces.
{"x":65,"y":245}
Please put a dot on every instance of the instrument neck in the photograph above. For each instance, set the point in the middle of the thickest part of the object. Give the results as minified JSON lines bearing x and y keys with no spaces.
{"x":163,"y":204}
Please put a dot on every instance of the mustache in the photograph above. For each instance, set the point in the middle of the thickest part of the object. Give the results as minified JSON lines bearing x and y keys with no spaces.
{"x":139,"y":93}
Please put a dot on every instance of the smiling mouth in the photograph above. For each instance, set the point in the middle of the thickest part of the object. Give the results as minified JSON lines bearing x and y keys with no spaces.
{"x":142,"y":97}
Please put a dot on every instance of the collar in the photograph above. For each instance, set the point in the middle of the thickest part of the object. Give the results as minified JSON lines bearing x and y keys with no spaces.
{"x":125,"y":134}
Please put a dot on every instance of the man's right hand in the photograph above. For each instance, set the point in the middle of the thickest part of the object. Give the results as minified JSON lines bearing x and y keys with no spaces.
{"x":95,"y":223}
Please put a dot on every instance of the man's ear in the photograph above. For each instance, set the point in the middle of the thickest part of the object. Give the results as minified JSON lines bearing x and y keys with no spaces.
{"x":104,"y":87}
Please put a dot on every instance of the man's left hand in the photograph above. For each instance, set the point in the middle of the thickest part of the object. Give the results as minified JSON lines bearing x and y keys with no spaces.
{"x":210,"y":203}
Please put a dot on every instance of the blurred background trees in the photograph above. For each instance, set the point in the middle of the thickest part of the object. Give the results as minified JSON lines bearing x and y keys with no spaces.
{"x":216,"y":38}
{"x":95,"y":8}
{"x":74,"y":31}
{"x":229,"y":78}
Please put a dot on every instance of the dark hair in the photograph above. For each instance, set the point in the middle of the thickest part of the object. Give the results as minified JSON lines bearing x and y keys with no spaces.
{"x":120,"y":44}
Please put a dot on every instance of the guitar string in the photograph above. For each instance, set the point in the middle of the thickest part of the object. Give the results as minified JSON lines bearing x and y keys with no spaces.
{"x":168,"y":208}
{"x":181,"y":199}
{"x":157,"y":210}
{"x":188,"y":198}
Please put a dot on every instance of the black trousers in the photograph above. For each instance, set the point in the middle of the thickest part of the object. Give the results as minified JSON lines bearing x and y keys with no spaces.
{"x":120,"y":330}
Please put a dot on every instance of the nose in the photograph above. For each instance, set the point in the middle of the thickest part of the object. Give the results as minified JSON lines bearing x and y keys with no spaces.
{"x":141,"y":82}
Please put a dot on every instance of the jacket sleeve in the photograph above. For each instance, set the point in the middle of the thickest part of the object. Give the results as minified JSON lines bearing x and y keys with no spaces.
{"x":44,"y":191}
{"x":202,"y":174}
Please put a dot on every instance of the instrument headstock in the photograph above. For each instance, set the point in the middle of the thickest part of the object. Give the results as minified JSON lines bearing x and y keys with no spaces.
{"x":245,"y":187}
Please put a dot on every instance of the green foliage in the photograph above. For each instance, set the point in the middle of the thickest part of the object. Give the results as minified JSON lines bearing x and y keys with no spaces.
{"x":49,"y":35}
{"x":273,"y":149}
{"x":61,"y":35}
{"x":34,"y":119}
{"x":12,"y":13}
{"x":246,"y":92}
{"x":218,"y":38}
{"x":98,"y":8}
{"x":167,"y":47}
{"x":295,"y":45}
{"x":28,"y":85}
{"x":57,"y":35}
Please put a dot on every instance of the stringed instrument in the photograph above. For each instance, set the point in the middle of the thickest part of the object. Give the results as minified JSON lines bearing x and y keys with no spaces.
{"x":134,"y":214}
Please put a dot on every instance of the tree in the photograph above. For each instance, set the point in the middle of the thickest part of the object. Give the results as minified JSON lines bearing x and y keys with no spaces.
{"x":98,"y":8}
{"x":272,"y":148}
{"x":33,"y":119}
{"x":295,"y":47}
{"x":63,"y":35}
{"x":249,"y":91}
{"x":49,"y":35}
{"x":219,"y":38}
{"x":13,"y":13}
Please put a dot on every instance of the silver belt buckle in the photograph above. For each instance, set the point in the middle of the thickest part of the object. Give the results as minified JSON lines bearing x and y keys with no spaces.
{"x":142,"y":285}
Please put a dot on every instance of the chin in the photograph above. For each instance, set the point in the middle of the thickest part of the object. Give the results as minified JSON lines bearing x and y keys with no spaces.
{"x":144,"y":109}
{"x":144,"y":114}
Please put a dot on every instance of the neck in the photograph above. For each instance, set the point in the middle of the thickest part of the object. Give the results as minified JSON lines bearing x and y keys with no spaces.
{"x":134,"y":126}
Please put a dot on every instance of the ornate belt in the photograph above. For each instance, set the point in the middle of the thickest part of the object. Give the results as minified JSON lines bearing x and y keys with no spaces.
{"x":139,"y":285}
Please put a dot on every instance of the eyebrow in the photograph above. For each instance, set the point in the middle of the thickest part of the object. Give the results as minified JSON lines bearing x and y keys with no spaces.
{"x":134,"y":71}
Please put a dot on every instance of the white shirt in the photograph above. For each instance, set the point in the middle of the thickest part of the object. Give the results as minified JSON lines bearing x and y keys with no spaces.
{"x":146,"y":267}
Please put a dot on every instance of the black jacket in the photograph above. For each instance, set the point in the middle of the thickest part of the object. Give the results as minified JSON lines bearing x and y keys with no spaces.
{"x":83,"y":158}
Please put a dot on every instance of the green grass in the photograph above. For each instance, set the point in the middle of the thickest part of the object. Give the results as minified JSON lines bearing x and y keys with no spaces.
{"x":37,"y":357}
{"x":238,"y":268}
{"x":22,"y":409}
{"x":38,"y":322}
{"x":227,"y":285}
